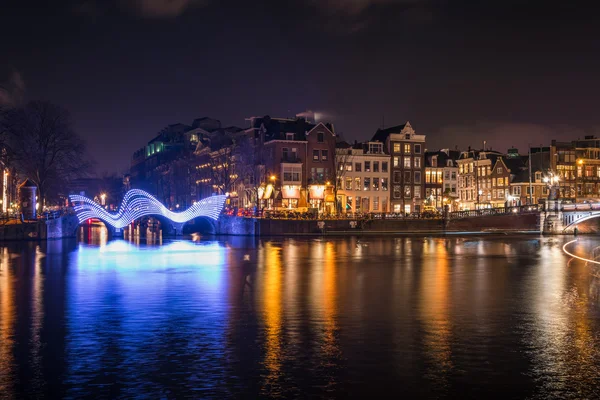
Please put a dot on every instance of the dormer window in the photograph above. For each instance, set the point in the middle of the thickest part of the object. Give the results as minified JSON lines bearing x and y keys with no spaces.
{"x":289,"y":136}
{"x":320,"y":137}
{"x":538,"y":176}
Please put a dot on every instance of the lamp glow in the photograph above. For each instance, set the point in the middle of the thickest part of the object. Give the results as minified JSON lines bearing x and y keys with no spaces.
{"x":137,"y":204}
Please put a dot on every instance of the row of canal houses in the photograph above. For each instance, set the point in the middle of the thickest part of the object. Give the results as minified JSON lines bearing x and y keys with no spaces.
{"x":301,"y":164}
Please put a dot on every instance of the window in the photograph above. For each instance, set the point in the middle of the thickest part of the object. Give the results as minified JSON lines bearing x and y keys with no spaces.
{"x":292,"y":174}
{"x":417,"y":192}
{"x":407,"y":162}
{"x":417,"y":149}
{"x":499,"y":170}
{"x":349,"y":167}
{"x":397,"y":177}
{"x":357,"y":203}
{"x":417,"y":162}
{"x":367,"y":166}
{"x":384,"y":166}
{"x":357,"y":184}
{"x":453,"y":190}
{"x":375,"y":166}
{"x":396,"y":147}
{"x":494,"y":193}
{"x":500,"y":181}
{"x":396,"y":161}
{"x":407,"y":191}
{"x":453,"y":175}
{"x":315,"y":155}
{"x":407,"y":176}
{"x":367,"y":185}
{"x":357,"y":167}
{"x":384,"y":184}
{"x":417,"y":176}
{"x":286,"y":153}
{"x":517,"y":190}
{"x":407,"y":148}
{"x":349,"y":203}
{"x":348,"y":183}
{"x":375,"y":148}
{"x":376,"y":203}
{"x":320,"y":137}
{"x":324,"y":155}
{"x":447,"y":175}
{"x":397,"y":192}
{"x":500,"y":194}
{"x":289,"y":136}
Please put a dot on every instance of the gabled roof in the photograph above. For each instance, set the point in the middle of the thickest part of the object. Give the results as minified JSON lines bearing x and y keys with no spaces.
{"x":381,"y":135}
{"x":326,"y":126}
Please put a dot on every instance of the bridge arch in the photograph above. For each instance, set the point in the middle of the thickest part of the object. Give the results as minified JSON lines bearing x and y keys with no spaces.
{"x":572,"y":219}
{"x":138,"y":204}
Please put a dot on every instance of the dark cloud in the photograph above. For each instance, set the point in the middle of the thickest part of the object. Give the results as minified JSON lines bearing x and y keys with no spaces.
{"x":12,"y":91}
{"x":160,"y":8}
{"x":142,"y":8}
{"x":500,"y":135}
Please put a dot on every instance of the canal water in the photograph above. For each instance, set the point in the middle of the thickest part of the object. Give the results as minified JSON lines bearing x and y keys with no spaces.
{"x":436,"y":317}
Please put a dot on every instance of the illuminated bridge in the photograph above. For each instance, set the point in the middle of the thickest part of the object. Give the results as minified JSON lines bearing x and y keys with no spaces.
{"x":137,"y":204}
{"x":563,"y":218}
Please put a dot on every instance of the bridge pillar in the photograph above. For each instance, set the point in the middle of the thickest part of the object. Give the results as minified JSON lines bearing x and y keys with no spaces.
{"x":552,"y":219}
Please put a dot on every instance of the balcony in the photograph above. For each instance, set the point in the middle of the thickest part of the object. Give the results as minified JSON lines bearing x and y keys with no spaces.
{"x":291,"y":160}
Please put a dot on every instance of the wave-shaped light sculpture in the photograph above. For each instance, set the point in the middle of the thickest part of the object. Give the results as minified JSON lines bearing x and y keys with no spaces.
{"x":137,"y":203}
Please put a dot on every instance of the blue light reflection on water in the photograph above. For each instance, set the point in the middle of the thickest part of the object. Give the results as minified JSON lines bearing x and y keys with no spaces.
{"x":127,"y":312}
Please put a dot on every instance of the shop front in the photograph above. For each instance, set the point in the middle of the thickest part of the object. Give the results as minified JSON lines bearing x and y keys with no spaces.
{"x":265,"y":196}
{"x":316,"y":195}
{"x":290,"y":196}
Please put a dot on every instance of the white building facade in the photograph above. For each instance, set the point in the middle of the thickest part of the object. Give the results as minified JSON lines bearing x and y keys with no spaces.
{"x":363,"y":176}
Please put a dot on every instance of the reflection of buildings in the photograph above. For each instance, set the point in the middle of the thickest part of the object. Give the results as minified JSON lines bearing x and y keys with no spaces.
{"x":7,"y":318}
{"x":363,"y":177}
{"x":273,"y":314}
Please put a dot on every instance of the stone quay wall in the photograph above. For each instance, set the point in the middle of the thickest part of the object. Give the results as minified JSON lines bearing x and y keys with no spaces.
{"x":282,"y":227}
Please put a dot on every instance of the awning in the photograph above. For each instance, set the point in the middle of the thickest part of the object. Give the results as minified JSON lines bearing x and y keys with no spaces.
{"x":316,"y":192}
{"x":290,"y":192}
{"x":268,"y":192}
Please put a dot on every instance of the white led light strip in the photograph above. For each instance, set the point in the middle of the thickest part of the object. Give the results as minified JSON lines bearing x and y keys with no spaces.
{"x":137,"y":204}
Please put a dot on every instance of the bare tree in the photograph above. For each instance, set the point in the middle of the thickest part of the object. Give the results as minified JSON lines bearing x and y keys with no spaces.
{"x":44,"y":148}
{"x":343,"y":156}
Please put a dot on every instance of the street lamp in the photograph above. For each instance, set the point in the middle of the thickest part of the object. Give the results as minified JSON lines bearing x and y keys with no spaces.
{"x":577,"y":180}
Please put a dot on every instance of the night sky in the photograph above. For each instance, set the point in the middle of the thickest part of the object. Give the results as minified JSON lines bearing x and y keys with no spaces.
{"x":509,"y":72}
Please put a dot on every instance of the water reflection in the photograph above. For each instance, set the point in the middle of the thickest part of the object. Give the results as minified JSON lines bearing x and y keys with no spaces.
{"x":272,"y":314}
{"x":298,"y":318}
{"x":7,"y":320}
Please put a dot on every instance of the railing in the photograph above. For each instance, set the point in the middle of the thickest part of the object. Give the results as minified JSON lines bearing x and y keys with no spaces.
{"x":295,"y":215}
{"x":495,"y":211}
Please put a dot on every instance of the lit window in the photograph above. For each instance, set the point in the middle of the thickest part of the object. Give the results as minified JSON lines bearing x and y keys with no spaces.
{"x":407,"y":162}
{"x":407,"y":148}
